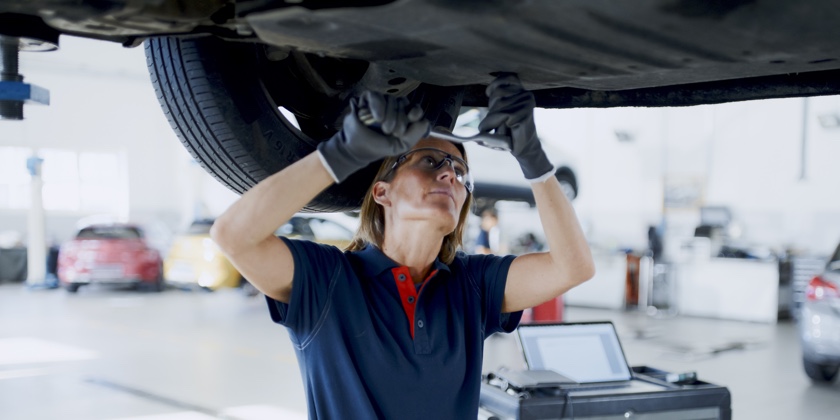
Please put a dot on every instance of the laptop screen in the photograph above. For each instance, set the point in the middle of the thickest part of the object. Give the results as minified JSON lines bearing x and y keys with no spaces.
{"x":585,"y":352}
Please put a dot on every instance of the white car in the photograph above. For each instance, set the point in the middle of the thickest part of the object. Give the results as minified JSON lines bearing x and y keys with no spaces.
{"x":819,"y":323}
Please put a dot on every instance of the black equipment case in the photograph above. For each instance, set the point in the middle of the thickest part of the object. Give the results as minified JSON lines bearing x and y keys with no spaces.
{"x":649,"y":396}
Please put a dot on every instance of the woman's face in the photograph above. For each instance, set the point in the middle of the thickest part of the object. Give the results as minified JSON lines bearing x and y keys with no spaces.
{"x":419,"y":192}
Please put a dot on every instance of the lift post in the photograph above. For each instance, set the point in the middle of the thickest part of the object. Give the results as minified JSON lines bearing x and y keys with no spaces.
{"x":13,"y":91}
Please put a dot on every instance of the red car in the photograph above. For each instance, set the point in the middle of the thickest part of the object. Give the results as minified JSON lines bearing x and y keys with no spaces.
{"x":110,"y":254}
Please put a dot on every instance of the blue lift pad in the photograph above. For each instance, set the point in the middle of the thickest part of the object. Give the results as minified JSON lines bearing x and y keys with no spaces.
{"x":23,"y":92}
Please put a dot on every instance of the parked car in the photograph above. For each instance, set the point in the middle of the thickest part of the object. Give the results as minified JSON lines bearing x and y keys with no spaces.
{"x":224,"y":69}
{"x":819,"y":323}
{"x":194,"y":260}
{"x":317,"y":228}
{"x":109,"y":254}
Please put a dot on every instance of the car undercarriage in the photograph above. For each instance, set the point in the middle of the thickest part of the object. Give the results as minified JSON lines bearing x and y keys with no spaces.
{"x":222,"y":69}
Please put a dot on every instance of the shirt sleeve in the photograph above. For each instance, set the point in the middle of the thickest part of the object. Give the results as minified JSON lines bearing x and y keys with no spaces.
{"x":482,"y":239}
{"x":315,"y":272}
{"x":490,"y":275}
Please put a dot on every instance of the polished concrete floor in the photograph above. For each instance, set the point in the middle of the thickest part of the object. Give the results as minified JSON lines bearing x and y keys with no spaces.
{"x":117,"y":354}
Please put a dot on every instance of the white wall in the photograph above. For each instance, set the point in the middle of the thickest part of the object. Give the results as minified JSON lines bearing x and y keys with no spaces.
{"x":746,"y":155}
{"x":102,"y":100}
{"x":619,"y":183}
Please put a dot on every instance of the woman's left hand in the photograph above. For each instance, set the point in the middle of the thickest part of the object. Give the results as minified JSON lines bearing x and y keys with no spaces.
{"x":511,"y":112}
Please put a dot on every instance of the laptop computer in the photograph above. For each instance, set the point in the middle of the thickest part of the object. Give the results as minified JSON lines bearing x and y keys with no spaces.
{"x":587,"y":352}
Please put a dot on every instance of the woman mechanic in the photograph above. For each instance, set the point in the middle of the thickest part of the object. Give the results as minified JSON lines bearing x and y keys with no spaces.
{"x":394,"y":327}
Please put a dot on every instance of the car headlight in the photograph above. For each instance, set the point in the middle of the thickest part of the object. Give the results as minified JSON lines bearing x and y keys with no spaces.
{"x":206,"y":279}
{"x":210,"y":249}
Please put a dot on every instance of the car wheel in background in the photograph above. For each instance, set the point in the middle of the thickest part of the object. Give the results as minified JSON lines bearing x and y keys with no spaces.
{"x":157,"y":285}
{"x":820,"y":373}
{"x":247,"y":288}
{"x":160,"y":284}
{"x":223,"y":100}
{"x":72,"y":287}
{"x":568,"y":182}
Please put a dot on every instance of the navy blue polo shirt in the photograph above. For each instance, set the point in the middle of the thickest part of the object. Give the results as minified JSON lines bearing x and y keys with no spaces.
{"x":372,"y":345}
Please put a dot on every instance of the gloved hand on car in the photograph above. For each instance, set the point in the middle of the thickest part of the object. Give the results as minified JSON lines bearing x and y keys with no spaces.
{"x":511,"y":113}
{"x":356,"y":145}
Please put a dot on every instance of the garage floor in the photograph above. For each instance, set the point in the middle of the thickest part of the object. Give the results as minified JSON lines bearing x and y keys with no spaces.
{"x":113,"y":354}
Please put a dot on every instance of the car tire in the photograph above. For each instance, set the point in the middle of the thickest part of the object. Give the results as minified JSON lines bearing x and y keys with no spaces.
{"x":568,"y":182}
{"x":72,"y":288}
{"x":159,"y":285}
{"x":820,"y":373}
{"x":223,"y":100}
{"x":247,"y":288}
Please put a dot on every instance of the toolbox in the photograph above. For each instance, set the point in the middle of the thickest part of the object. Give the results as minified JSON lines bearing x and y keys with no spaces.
{"x":652,"y":394}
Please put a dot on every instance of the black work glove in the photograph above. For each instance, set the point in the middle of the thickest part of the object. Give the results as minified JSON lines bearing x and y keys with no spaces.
{"x":511,"y":113}
{"x":356,"y":145}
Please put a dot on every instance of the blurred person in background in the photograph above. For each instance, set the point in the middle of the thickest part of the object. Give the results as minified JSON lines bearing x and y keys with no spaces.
{"x":489,"y":237}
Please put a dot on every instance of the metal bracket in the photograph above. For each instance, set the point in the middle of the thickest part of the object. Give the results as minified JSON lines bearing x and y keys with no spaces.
{"x":13,"y":92}
{"x":23,"y":92}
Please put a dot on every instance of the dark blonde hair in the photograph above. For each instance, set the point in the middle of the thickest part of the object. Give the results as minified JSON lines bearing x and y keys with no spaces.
{"x":372,"y":216}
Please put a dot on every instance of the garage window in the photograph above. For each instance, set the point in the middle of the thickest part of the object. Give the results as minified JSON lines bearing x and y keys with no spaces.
{"x":88,"y":182}
{"x":14,"y":179}
{"x":103,"y":186}
{"x":61,"y":179}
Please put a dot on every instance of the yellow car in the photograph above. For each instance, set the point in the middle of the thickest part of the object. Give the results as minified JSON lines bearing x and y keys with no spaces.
{"x":194,"y":260}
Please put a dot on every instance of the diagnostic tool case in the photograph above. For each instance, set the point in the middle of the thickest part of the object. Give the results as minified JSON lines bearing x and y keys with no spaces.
{"x":648,"y":396}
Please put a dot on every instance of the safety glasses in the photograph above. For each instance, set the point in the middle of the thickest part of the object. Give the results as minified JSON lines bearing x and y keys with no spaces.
{"x":431,"y":160}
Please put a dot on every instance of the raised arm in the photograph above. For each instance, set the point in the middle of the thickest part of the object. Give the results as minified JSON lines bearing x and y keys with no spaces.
{"x":245,"y":231}
{"x":536,"y":278}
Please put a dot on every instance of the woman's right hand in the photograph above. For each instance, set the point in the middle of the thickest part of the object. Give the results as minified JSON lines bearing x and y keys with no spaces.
{"x":399,"y":128}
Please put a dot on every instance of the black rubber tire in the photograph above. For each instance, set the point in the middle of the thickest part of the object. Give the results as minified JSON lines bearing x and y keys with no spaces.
{"x":159,"y":285}
{"x":222,"y":100}
{"x":72,"y":288}
{"x":247,"y":288}
{"x":820,"y":373}
{"x":568,"y":181}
